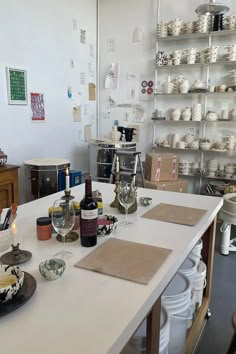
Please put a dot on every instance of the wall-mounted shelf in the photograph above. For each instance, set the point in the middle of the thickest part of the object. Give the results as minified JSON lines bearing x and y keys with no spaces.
{"x":193,"y":122}
{"x":196,"y":93}
{"x":193,"y":36}
{"x":230,"y":153}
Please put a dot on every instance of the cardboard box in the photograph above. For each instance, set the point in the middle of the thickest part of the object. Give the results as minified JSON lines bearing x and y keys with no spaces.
{"x":180,"y":185}
{"x":161,"y":167}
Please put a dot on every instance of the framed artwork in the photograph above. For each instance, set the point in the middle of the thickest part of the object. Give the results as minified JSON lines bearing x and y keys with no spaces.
{"x":16,"y":86}
{"x":37,"y":107}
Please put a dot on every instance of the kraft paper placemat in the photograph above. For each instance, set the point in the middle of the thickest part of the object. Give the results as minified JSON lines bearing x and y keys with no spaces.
{"x":126,"y":260}
{"x":175,"y":214}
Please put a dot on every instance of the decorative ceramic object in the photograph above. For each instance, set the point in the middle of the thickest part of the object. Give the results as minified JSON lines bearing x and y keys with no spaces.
{"x":52,"y":269}
{"x":106,"y":225}
{"x":184,"y":86}
{"x":145,"y":201}
{"x":7,"y":292}
{"x":174,"y":140}
{"x":211,"y":116}
{"x":189,"y":138}
{"x":186,"y":114}
{"x":176,"y":114}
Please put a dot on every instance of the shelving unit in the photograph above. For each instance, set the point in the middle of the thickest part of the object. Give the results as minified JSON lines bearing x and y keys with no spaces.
{"x":203,"y":126}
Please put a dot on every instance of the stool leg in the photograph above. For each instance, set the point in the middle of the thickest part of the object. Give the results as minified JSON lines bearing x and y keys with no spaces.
{"x":225,"y":241}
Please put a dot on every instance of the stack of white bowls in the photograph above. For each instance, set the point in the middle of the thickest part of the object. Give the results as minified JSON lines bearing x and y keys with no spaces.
{"x":191,"y":54}
{"x":211,"y":54}
{"x":232,"y":76}
{"x":162,"y":29}
{"x":230,"y":142}
{"x":231,"y":52}
{"x":203,"y":24}
{"x":168,"y":87}
{"x":189,"y":27}
{"x":230,"y":23}
{"x":185,"y":167}
{"x":197,"y":112}
{"x":229,"y":170}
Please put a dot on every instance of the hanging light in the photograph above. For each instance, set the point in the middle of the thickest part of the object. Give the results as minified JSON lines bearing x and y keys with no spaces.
{"x":212,"y":8}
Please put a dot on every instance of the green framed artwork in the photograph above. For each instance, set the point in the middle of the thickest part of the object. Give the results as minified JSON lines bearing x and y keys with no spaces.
{"x":16,"y":86}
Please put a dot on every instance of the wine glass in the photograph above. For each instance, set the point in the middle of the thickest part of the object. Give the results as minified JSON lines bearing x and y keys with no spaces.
{"x":126,"y":196}
{"x":63,"y":219}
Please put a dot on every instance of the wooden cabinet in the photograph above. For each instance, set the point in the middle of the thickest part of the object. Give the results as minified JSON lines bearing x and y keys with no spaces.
{"x":9,"y":192}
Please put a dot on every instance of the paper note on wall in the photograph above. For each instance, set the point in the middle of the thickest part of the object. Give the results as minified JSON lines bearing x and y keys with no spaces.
{"x":77,"y":113}
{"x":82,"y":78}
{"x":112,"y":77}
{"x":92,"y":91}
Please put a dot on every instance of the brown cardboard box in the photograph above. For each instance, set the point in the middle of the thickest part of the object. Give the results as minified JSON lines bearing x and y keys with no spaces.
{"x":161,"y":167}
{"x":181,"y":185}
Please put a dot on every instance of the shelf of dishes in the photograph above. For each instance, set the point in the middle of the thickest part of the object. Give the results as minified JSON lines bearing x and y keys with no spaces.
{"x":194,"y":115}
{"x":181,"y":66}
{"x":230,"y":153}
{"x":214,"y":169}
{"x":204,"y":26}
{"x":196,"y":56}
{"x":199,"y":35}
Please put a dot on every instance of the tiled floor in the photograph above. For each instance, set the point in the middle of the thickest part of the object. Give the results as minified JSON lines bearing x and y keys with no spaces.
{"x":218,"y":331}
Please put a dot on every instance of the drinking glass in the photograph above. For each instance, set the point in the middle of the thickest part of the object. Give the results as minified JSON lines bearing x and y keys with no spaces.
{"x":63,"y":219}
{"x":126,"y":196}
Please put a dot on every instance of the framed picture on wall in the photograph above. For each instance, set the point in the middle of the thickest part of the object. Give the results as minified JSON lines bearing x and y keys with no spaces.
{"x":16,"y":86}
{"x":37,"y":107}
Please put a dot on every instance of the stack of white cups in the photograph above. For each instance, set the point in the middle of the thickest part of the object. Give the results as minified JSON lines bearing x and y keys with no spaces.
{"x":191,"y":55}
{"x":197,"y":112}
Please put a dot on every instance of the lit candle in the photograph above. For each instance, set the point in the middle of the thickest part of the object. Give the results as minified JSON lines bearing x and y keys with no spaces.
{"x":67,"y":179}
{"x":14,"y":234}
{"x":117,"y":165}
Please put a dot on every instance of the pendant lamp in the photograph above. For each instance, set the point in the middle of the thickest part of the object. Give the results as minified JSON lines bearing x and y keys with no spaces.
{"x":212,"y":8}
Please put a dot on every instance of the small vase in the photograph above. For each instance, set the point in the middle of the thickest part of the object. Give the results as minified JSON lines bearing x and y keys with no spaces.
{"x":186,"y":114}
{"x":176,"y":114}
{"x":184,"y":86}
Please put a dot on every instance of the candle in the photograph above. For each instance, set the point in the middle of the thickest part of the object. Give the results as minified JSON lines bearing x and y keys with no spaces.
{"x":117,"y":165}
{"x":67,"y":179}
{"x":14,"y":234}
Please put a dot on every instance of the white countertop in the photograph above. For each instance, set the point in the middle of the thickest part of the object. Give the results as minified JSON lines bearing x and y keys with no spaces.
{"x":89,"y":313}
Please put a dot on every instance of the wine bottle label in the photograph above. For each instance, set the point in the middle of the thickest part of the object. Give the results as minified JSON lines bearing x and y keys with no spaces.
{"x":89,"y":214}
{"x":89,"y":222}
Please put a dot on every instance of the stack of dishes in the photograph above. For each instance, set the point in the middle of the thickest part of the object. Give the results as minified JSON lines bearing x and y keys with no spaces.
{"x":211,"y":54}
{"x":231,"y":52}
{"x":212,"y":167}
{"x":185,"y":167}
{"x":230,"y":23}
{"x":232,"y":76}
{"x":168,"y":87}
{"x":203,"y":24}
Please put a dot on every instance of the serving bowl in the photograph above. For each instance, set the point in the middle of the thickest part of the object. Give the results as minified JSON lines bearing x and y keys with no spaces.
{"x":11,"y":280}
{"x":145,"y":201}
{"x":106,"y":225}
{"x":52,"y":269}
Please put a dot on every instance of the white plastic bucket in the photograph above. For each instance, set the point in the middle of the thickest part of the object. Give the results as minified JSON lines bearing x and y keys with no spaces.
{"x":177,"y":301}
{"x":196,"y":252}
{"x":139,"y":339}
{"x":189,"y":269}
{"x":199,"y":285}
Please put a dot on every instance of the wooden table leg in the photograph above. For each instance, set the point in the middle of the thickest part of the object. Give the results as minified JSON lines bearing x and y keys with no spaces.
{"x":153,"y":329}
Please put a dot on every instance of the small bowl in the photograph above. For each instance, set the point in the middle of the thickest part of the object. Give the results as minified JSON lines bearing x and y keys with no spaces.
{"x":106,"y":225}
{"x":9,"y":291}
{"x":145,"y":201}
{"x":52,"y":269}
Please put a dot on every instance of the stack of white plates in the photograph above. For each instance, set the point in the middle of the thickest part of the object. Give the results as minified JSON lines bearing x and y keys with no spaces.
{"x":185,"y":167}
{"x":231,"y":52}
{"x":232,"y":76}
{"x":203,"y":24}
{"x":230,"y":23}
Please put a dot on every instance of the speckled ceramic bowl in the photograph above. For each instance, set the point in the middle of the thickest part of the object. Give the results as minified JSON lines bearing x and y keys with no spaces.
{"x":52,"y":269}
{"x":7,"y":292}
{"x":145,"y":201}
{"x":106,"y":225}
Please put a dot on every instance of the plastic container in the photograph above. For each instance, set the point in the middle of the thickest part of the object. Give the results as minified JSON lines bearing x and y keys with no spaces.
{"x":44,"y":228}
{"x":196,"y":252}
{"x":139,"y":339}
{"x":199,"y":285}
{"x":189,"y":269}
{"x":177,"y":301}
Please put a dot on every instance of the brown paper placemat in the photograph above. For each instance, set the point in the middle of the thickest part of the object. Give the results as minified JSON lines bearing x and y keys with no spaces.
{"x":175,"y":214}
{"x":126,"y":260}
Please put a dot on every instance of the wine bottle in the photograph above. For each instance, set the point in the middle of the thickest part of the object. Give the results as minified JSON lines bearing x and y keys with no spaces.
{"x":88,"y":217}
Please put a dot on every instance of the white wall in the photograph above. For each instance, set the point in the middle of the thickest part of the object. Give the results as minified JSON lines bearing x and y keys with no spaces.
{"x":38,"y":36}
{"x":117,"y":21}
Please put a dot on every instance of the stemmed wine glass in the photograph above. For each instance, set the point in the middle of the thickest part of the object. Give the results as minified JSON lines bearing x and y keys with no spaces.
{"x":63,"y":219}
{"x":126,"y":196}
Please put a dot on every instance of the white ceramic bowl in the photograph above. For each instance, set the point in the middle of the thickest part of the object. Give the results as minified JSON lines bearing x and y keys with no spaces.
{"x":7,"y":292}
{"x":205,"y":146}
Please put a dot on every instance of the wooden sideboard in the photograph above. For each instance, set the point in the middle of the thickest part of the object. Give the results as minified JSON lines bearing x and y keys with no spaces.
{"x":9,"y":190}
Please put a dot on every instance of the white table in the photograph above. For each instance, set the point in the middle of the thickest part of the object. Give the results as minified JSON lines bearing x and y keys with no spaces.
{"x":88,"y":313}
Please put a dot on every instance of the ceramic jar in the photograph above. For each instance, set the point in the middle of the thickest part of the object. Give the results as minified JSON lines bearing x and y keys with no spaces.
{"x":174,"y":140}
{"x":186,"y":113}
{"x":176,"y":114}
{"x":184,"y":86}
{"x":211,"y":116}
